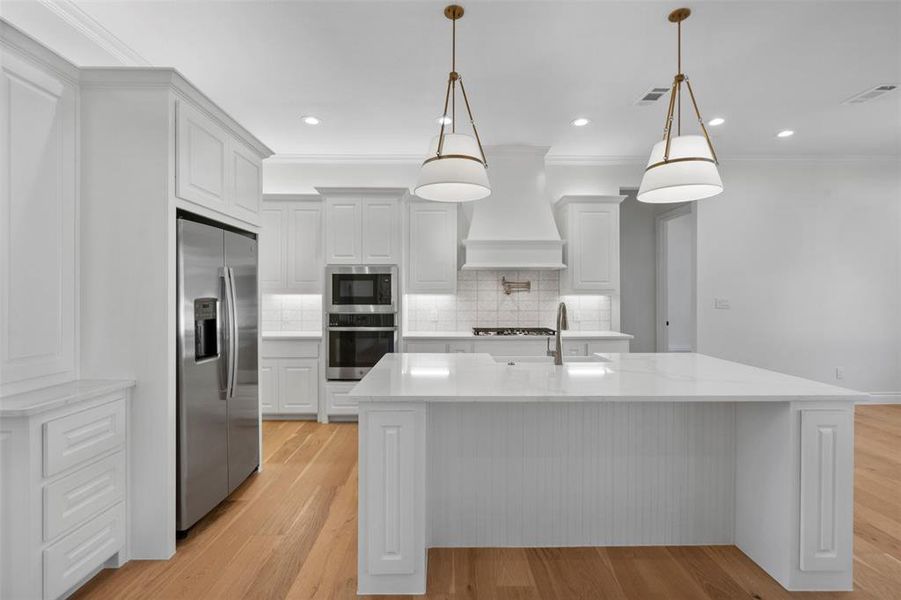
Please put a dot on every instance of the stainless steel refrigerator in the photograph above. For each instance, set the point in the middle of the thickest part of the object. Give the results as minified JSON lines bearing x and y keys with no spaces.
{"x":218,"y":400}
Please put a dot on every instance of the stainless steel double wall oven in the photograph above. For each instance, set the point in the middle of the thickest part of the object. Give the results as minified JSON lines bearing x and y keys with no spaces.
{"x":361,"y":304}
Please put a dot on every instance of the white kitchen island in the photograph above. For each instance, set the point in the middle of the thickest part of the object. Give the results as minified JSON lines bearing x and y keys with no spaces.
{"x":458,"y":450}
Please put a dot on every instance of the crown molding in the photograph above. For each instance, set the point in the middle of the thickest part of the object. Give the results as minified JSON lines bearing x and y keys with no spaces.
{"x":20,"y":43}
{"x":346,"y":159}
{"x":90,"y":28}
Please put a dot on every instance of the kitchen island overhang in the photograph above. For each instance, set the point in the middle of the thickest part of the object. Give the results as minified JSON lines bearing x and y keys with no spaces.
{"x":460,"y":450}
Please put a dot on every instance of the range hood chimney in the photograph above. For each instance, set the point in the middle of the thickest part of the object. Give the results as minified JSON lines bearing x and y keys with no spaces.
{"x":514,"y":227}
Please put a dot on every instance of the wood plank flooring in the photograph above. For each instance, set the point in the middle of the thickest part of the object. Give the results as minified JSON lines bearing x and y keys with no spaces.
{"x":290,"y":532}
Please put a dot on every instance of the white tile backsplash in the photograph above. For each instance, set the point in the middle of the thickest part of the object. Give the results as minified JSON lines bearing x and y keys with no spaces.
{"x":480,"y":302}
{"x":292,"y":312}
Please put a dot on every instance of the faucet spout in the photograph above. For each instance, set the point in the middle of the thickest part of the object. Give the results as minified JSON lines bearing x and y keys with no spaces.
{"x":562,"y":323}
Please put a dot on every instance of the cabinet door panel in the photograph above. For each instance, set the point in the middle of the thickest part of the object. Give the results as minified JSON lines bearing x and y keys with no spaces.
{"x":305,"y":266}
{"x":432,"y":261}
{"x":273,"y":240}
{"x":595,"y":251}
{"x":37,"y":225}
{"x":380,"y":231}
{"x":247,"y":182}
{"x":299,"y":392}
{"x":268,"y":386}
{"x":343,"y":227}
{"x":202,"y":150}
{"x":338,"y":402}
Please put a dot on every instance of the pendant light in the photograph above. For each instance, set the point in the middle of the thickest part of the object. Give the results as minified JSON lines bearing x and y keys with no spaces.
{"x":456,"y":169}
{"x":681,"y":168}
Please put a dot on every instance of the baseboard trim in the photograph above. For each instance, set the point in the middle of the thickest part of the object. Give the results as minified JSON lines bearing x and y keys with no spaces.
{"x":882,"y":398}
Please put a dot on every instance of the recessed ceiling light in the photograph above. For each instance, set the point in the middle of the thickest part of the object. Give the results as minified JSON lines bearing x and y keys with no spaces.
{"x":444,"y":120}
{"x":716,"y":121}
{"x":580,"y":122}
{"x":785,"y":133}
{"x":310,"y":120}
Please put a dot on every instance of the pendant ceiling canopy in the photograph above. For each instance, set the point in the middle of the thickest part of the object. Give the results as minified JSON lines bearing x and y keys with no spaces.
{"x":681,"y":167}
{"x":456,"y":169}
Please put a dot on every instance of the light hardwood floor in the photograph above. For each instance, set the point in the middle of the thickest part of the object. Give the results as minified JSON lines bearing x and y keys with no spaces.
{"x":290,"y":532}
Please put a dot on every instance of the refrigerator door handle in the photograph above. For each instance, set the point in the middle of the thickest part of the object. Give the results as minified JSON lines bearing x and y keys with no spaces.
{"x":233,"y":333}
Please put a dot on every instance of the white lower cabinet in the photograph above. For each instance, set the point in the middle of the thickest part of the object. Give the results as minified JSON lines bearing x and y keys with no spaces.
{"x":289,"y":378}
{"x":338,"y":403}
{"x":289,"y":386}
{"x":63,"y":497}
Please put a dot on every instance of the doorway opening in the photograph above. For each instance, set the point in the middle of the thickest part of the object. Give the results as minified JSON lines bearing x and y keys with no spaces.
{"x":676,"y":280}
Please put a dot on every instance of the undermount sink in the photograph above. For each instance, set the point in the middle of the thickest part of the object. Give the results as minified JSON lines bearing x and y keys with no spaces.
{"x":549,"y":360}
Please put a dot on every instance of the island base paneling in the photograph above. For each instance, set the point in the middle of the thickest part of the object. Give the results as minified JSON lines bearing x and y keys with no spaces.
{"x":772,"y":477}
{"x":586,"y":474}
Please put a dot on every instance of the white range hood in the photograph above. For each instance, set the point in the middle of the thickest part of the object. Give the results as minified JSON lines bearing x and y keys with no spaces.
{"x":514,"y":227}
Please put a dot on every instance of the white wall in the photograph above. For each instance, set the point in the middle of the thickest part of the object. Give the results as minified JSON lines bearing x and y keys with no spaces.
{"x":638,"y":273}
{"x":806,"y":251}
{"x":808,"y":255}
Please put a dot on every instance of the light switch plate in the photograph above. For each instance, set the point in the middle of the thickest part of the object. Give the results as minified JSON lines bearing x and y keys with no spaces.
{"x":721,"y":303}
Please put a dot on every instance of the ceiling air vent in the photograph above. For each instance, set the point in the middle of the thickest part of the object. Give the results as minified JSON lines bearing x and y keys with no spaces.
{"x":871,"y":94}
{"x":652,"y":95}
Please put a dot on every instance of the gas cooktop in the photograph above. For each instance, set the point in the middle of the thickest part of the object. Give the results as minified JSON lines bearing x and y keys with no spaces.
{"x":512,"y":331}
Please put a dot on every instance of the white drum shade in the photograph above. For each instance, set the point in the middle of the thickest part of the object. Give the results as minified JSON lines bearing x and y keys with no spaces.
{"x":450,"y":178}
{"x":692,"y":178}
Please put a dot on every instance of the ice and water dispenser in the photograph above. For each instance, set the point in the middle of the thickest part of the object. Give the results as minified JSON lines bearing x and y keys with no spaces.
{"x":206,"y":330}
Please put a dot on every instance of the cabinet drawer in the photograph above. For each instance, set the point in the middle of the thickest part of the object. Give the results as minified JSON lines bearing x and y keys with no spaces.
{"x":339,"y":403}
{"x":68,"y":561}
{"x":572,"y":348}
{"x":77,"y":497}
{"x":79,"y":437}
{"x":290,"y":348}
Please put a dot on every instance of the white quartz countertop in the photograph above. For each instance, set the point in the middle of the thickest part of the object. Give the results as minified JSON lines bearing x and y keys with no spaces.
{"x":292,"y":335}
{"x":469,"y":335}
{"x":664,"y":377}
{"x":56,"y":396}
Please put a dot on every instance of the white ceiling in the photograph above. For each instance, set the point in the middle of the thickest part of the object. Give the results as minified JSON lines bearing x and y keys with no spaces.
{"x":374,"y":71}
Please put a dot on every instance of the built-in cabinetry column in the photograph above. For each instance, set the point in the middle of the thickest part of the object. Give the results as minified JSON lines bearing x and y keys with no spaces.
{"x":392,"y":531}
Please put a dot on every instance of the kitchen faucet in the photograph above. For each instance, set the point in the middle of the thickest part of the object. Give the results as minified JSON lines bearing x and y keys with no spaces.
{"x":562,"y":323}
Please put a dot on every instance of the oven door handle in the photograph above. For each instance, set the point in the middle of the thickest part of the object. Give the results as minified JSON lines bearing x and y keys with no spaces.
{"x":362,"y":328}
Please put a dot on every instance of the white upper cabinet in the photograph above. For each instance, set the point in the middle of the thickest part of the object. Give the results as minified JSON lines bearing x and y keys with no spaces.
{"x":344,"y":228}
{"x":202,"y":163}
{"x":432,"y":249}
{"x":215,"y":169}
{"x":380,"y":227}
{"x":38,"y":208}
{"x":590,"y":227}
{"x":291,"y":244}
{"x":362,"y":226}
{"x":246,"y":181}
{"x":273,"y":247}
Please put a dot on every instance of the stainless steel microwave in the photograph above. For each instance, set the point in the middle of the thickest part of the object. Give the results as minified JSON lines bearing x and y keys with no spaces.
{"x":361,"y":289}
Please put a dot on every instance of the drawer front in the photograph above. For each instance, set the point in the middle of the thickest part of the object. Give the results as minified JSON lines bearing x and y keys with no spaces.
{"x":608,"y":346}
{"x":69,"y":560}
{"x":339,"y":403}
{"x":81,"y":436}
{"x":571,"y":348}
{"x":290,"y":349}
{"x":77,"y":497}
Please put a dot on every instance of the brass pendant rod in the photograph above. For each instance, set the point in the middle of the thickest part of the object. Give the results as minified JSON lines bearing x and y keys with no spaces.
{"x":473,"y":123}
{"x":444,"y":118}
{"x":668,"y":126}
{"x":453,"y":71}
{"x":679,"y":72}
{"x":701,"y":121}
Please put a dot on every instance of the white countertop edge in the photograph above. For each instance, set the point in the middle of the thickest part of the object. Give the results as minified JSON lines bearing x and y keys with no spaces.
{"x":606,"y":399}
{"x":56,"y":396}
{"x":292,"y":335}
{"x":468,"y":335}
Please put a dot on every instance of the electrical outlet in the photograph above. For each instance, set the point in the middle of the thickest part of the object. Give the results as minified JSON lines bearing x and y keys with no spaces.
{"x":721,"y":303}
{"x":839,"y":373}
